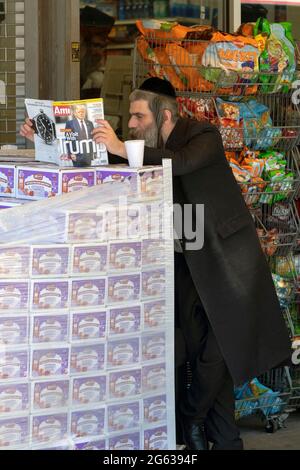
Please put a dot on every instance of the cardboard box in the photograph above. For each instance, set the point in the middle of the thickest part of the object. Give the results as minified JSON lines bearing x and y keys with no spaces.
{"x":8,"y":180}
{"x":146,"y":182}
{"x":50,"y":260}
{"x":14,"y":261}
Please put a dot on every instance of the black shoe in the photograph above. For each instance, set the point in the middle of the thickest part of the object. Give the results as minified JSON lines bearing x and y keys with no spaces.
{"x":194,"y":435}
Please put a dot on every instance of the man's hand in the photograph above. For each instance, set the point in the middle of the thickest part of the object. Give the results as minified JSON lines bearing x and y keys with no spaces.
{"x":104,"y":134}
{"x":26,"y":130}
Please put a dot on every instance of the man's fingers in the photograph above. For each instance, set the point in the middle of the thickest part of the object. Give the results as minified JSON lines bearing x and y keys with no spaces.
{"x":103,"y":123}
{"x":29,"y":122}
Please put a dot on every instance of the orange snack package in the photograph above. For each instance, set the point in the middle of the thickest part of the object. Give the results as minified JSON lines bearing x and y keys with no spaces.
{"x":160,"y":65}
{"x":183,"y":63}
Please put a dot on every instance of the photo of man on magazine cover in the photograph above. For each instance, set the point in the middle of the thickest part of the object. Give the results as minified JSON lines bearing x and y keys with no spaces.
{"x":79,"y":128}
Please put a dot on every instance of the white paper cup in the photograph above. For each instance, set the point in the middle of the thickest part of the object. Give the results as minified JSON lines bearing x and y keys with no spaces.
{"x":135,"y":152}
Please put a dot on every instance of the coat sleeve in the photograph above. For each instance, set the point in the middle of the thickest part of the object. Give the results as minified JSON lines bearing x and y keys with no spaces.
{"x":115,"y":159}
{"x":201,"y":150}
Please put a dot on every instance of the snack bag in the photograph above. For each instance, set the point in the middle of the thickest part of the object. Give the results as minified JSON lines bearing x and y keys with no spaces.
{"x":159,"y":64}
{"x":284,"y":290}
{"x":183,"y":64}
{"x":237,"y":56}
{"x":257,"y":166}
{"x":278,"y":57}
{"x":253,"y":191}
{"x":200,"y":109}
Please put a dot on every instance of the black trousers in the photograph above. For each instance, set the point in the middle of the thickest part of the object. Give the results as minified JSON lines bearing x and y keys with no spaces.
{"x":209,"y":399}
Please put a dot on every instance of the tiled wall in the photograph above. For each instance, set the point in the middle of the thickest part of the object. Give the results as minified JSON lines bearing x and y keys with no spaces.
{"x":12,"y":70}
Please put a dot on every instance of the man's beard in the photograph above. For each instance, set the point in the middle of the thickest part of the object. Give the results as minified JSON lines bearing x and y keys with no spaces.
{"x":150,"y":135}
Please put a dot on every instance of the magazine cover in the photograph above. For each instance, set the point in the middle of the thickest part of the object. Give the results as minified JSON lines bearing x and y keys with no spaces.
{"x":63,"y":131}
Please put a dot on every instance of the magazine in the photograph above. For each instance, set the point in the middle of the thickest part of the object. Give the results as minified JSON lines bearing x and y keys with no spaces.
{"x":63,"y":131}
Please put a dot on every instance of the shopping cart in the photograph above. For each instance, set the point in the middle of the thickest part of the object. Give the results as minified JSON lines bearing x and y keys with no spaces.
{"x":294,"y":401}
{"x":272,"y":408}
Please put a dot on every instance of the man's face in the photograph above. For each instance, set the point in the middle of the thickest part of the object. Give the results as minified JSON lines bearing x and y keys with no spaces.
{"x":142,"y":124}
{"x":80,"y":112}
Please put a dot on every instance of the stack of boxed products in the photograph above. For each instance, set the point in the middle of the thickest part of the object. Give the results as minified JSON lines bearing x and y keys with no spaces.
{"x":23,"y":182}
{"x":86,"y":311}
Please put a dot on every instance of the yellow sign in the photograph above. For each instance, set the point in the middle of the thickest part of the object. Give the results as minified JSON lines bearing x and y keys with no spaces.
{"x":75,"y":51}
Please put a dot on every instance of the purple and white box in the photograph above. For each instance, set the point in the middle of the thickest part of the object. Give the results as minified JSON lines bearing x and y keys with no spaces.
{"x":37,"y":183}
{"x":14,"y":432}
{"x":124,"y":416}
{"x":87,"y":423}
{"x":153,"y":252}
{"x":88,"y":293}
{"x":153,"y":283}
{"x":89,"y":390}
{"x":50,"y":294}
{"x":124,"y":320}
{"x":14,"y":329}
{"x":89,"y":260}
{"x":14,"y":398}
{"x":154,"y":347}
{"x":124,"y":288}
{"x":156,"y":438}
{"x":48,"y":428}
{"x":123,"y":352}
{"x":14,"y":261}
{"x":126,"y":441}
{"x":146,"y":181}
{"x":14,"y":296}
{"x":13,"y":364}
{"x":52,"y":394}
{"x":154,"y":377}
{"x":88,"y":326}
{"x":91,"y":445}
{"x":88,"y":358}
{"x":50,"y":362}
{"x":124,"y":256}
{"x":76,"y":179}
{"x":124,"y":384}
{"x":85,"y":226}
{"x":151,"y":182}
{"x":50,"y":260}
{"x":8,"y":180}
{"x":121,"y":174}
{"x":49,"y":328}
{"x":155,"y":409}
{"x":154,"y":314}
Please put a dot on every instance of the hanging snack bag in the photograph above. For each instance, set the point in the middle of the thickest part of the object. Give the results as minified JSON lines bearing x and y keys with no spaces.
{"x":159,"y":64}
{"x":231,"y":62}
{"x":184,"y":64}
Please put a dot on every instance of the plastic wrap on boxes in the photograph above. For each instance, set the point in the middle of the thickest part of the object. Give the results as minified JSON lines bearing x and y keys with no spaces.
{"x":86,"y":316}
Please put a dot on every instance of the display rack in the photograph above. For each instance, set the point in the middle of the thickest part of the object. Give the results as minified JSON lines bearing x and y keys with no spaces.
{"x":202,"y":86}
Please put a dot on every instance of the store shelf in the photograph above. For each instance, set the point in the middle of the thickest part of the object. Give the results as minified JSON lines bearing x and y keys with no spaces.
{"x":121,"y":45}
{"x":178,"y":19}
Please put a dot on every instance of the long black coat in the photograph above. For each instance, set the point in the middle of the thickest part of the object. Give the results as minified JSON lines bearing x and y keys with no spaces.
{"x":230,"y":273}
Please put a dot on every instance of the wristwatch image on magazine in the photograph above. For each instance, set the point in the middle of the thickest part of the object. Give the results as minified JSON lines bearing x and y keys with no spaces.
{"x":44,"y":127}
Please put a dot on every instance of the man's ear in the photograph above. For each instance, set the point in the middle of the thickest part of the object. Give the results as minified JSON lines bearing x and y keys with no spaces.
{"x":167,"y":115}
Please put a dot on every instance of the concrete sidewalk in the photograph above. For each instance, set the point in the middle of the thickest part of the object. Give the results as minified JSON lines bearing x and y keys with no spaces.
{"x":256,"y":438}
